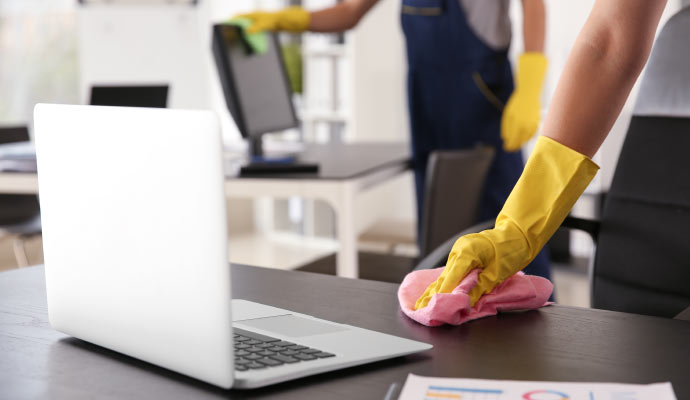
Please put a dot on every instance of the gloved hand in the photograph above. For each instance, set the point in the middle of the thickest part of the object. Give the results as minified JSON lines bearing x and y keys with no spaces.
{"x":553,"y":179}
{"x":291,"y":19}
{"x":521,"y":114}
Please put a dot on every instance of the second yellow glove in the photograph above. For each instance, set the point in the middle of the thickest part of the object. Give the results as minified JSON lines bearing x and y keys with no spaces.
{"x":291,"y":19}
{"x":521,"y":114}
{"x":553,"y":179}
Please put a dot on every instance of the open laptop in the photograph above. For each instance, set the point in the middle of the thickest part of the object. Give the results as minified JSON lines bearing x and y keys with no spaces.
{"x":135,"y":245}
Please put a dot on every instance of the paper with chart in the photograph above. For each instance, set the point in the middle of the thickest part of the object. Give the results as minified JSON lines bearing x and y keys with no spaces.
{"x":424,"y":388}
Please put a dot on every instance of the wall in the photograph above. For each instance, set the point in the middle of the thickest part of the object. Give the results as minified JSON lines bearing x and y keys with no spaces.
{"x":378,"y":74}
{"x":166,"y":43}
{"x":38,"y":44}
{"x":146,"y":44}
{"x":379,"y":112}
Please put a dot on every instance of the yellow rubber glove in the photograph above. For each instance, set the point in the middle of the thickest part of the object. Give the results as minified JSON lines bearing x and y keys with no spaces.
{"x":291,"y":19}
{"x":521,"y":114}
{"x":553,"y":179}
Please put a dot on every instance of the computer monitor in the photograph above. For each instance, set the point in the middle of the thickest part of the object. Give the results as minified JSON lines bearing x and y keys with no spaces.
{"x":155,"y":96}
{"x":256,"y":86}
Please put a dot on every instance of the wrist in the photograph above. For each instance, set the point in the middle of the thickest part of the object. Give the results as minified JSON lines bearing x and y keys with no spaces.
{"x":553,"y":179}
{"x":511,"y":246}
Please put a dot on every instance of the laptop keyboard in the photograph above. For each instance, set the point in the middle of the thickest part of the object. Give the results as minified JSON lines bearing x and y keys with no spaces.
{"x":255,"y":351}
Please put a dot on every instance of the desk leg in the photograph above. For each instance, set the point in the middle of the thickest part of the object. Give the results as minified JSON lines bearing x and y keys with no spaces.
{"x":346,"y":258}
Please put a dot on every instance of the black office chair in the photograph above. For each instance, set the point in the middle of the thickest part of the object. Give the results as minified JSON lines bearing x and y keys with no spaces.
{"x":454,"y":186}
{"x":642,"y":260}
{"x":642,"y":263}
{"x":19,"y":214}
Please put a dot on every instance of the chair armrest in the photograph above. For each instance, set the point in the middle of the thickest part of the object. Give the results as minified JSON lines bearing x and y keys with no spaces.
{"x":440,"y":254}
{"x":684,"y":315}
{"x":588,"y":225}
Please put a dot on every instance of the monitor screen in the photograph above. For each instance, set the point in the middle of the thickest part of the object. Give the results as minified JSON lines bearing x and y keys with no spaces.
{"x":255,"y":85}
{"x":130,"y":96}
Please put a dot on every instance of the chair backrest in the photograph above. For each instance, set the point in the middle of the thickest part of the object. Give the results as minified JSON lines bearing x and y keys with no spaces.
{"x":14,"y":208}
{"x":454,"y":188}
{"x":642,"y":263}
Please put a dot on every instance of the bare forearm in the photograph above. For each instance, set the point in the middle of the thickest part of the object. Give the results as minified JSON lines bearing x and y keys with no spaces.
{"x":341,"y":17}
{"x":603,"y":65}
{"x":533,"y":25}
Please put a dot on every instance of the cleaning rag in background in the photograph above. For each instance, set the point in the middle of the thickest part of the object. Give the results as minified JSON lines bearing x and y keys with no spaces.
{"x":519,"y":292}
{"x":258,"y":42}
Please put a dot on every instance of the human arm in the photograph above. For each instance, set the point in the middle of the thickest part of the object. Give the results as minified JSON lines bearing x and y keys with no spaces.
{"x":533,"y":25}
{"x":602,"y":67}
{"x":604,"y":63}
{"x":522,"y":113}
{"x":342,"y":16}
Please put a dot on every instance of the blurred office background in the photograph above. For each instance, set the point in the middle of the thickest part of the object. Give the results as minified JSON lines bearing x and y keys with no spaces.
{"x":351,"y":89}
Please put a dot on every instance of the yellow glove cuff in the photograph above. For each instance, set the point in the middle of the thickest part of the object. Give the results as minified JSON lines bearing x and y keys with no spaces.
{"x":521,"y":114}
{"x":530,"y":74}
{"x":554,"y":178}
{"x":293,"y":19}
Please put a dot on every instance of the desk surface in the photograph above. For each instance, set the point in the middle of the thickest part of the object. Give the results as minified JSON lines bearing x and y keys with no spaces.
{"x":340,"y":161}
{"x":555,"y":343}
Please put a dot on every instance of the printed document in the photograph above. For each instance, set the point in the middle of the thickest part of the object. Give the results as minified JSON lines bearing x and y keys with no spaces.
{"x":425,"y":388}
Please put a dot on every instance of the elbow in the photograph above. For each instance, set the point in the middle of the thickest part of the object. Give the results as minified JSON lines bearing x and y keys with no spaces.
{"x":354,"y":13}
{"x":630,"y":61}
{"x":352,"y":21}
{"x":619,"y":56}
{"x":350,"y":24}
{"x":623,"y":52}
{"x":622,"y":35}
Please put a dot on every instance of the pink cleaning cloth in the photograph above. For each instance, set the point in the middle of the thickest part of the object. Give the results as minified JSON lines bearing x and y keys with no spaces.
{"x":519,"y":292}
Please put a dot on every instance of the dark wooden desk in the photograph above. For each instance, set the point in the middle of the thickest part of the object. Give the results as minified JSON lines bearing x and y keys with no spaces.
{"x":555,"y":343}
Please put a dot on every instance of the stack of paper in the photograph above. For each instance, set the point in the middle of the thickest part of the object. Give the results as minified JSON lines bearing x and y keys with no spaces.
{"x":18,"y":157}
{"x":424,"y":388}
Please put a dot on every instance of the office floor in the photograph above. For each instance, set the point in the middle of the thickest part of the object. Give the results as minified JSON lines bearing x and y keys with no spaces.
{"x":32,"y":246}
{"x":570,"y":278}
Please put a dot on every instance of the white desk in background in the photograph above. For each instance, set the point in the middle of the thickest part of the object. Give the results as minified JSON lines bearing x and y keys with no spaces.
{"x":345,"y":171}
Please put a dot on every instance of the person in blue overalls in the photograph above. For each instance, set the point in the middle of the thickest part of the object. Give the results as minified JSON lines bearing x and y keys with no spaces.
{"x":460,"y":82}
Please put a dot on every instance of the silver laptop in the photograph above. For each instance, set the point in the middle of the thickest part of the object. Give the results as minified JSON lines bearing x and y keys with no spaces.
{"x":135,"y":243}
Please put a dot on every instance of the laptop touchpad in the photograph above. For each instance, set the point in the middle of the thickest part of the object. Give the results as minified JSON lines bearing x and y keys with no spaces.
{"x":293,"y":326}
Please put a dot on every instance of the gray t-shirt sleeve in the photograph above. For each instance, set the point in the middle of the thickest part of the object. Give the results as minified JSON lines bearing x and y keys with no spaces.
{"x":665,"y":87}
{"x":490,"y":21}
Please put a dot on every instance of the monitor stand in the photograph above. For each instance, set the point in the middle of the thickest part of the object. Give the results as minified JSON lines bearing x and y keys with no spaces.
{"x":259,"y":164}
